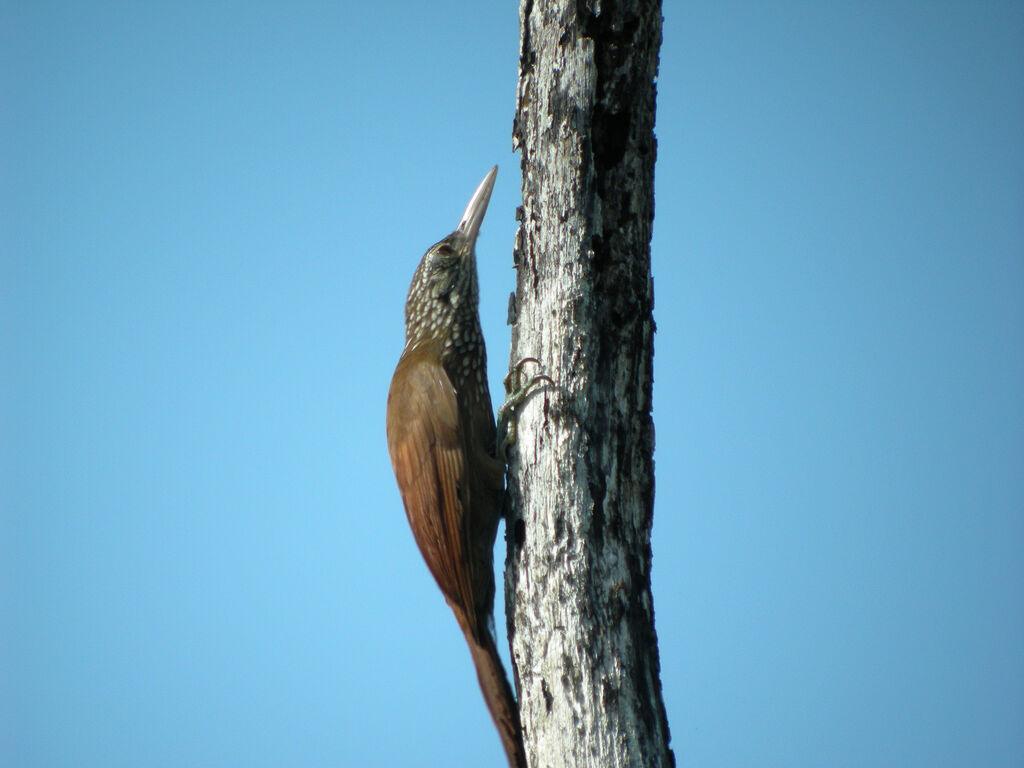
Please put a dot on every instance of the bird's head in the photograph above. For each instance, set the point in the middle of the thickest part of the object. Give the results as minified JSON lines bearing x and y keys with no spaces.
{"x":444,"y":287}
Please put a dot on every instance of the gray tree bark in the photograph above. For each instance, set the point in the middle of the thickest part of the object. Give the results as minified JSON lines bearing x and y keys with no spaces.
{"x":581,"y":474}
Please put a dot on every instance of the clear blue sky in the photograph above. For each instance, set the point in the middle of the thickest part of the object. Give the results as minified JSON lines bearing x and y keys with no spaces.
{"x":209,"y":215}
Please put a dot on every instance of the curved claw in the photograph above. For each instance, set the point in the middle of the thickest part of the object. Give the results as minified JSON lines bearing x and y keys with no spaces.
{"x":516,"y":396}
{"x":517,"y":369}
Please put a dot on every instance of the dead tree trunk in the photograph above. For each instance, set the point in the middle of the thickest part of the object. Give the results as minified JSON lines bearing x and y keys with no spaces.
{"x":581,"y":477}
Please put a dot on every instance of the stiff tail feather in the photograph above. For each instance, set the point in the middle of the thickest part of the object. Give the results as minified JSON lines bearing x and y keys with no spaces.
{"x":497,"y":693}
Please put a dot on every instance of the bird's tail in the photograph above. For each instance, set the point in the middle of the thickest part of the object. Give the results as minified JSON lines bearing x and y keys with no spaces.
{"x":497,"y":692}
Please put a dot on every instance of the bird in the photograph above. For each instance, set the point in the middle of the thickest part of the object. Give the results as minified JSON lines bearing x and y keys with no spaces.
{"x":441,"y":436}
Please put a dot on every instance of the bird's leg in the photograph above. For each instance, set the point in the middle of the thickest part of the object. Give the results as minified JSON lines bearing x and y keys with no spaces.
{"x":515,"y":395}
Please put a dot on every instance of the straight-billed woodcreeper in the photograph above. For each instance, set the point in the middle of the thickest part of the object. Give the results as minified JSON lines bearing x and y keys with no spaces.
{"x":441,"y":437}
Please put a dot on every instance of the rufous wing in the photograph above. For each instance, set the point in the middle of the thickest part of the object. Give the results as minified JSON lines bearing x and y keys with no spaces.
{"x":424,"y":441}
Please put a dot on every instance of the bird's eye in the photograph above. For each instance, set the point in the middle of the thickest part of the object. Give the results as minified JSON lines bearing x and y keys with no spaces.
{"x":444,"y":250}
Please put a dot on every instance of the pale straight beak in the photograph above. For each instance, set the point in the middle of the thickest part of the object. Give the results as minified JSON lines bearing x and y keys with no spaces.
{"x":471,"y":220}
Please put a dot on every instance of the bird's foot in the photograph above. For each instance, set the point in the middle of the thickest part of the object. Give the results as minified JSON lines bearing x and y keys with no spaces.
{"x":516,"y":393}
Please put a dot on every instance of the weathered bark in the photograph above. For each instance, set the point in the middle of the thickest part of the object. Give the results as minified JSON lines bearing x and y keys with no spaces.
{"x":581,"y":477}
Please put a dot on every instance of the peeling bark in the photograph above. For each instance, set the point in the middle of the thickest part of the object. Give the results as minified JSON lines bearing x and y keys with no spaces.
{"x":581,"y":476}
